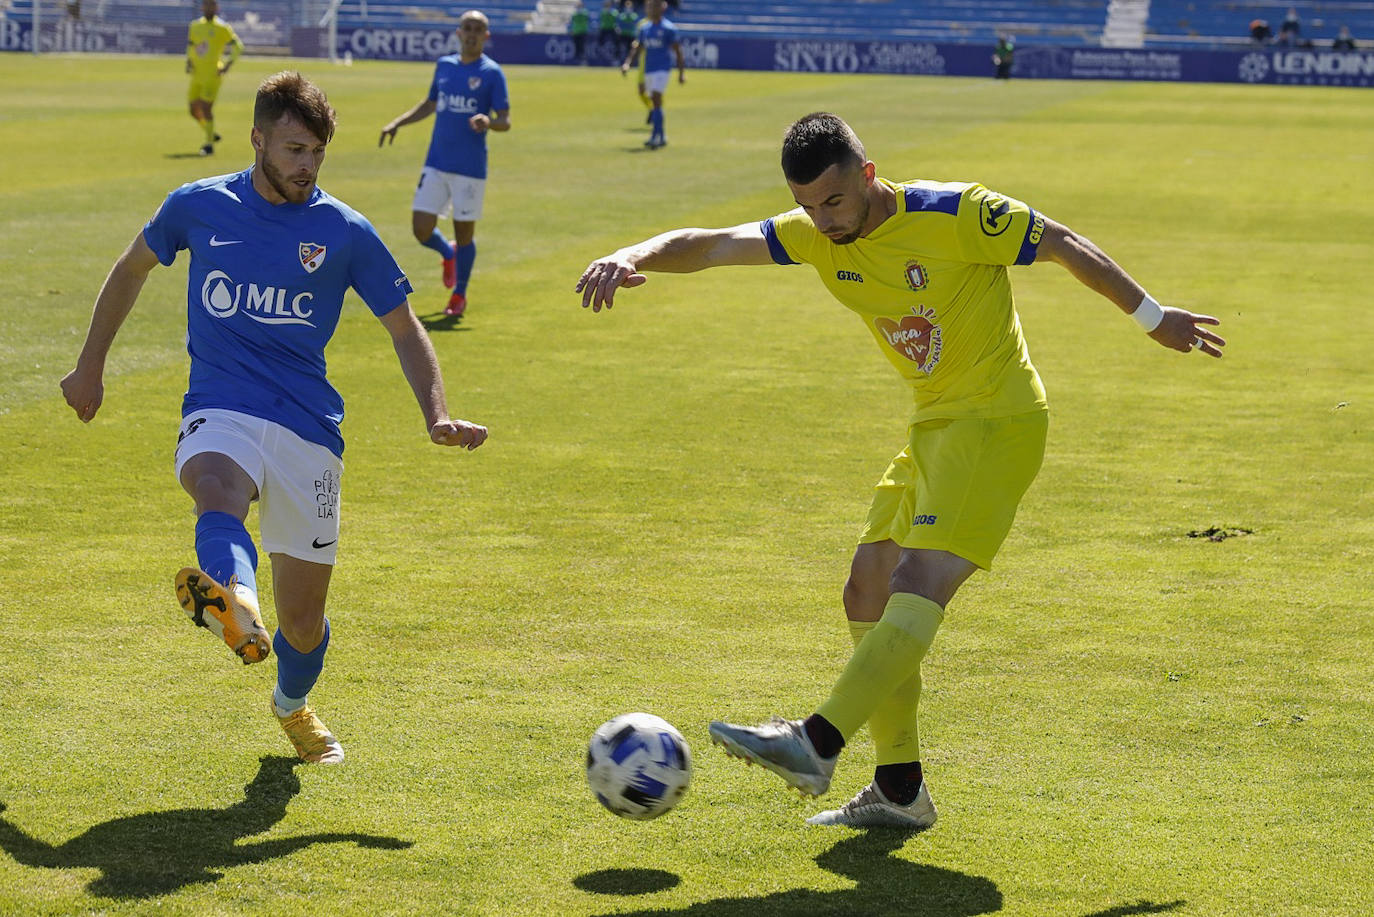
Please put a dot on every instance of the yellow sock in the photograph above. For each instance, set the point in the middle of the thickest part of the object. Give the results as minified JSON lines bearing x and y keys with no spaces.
{"x":648,"y":102}
{"x":209,"y":125}
{"x":892,"y":724}
{"x":883,"y":661}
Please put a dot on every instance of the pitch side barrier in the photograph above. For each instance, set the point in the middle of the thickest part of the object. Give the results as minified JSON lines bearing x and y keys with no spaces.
{"x":1269,"y":65}
{"x":67,"y":36}
{"x":1261,"y":65}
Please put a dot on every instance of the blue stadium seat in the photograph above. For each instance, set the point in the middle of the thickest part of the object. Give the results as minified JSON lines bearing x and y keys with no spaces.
{"x":1189,"y":23}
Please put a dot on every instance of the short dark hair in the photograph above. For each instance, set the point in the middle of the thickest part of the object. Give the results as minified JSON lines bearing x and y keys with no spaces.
{"x":290,"y":93}
{"x":817,"y":142}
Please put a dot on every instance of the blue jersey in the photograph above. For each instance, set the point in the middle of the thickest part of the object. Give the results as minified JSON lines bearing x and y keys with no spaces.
{"x":264,"y":292}
{"x":655,"y":38}
{"x":458,"y":92}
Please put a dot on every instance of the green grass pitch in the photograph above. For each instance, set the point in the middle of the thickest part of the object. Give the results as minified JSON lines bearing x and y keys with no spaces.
{"x":1120,"y":719}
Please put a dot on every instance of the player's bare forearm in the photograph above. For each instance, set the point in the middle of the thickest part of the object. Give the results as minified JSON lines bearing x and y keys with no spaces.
{"x":419,"y":113}
{"x":418,"y":362}
{"x":421,"y":368}
{"x":681,"y":251}
{"x":1177,"y":329}
{"x":1090,"y":265}
{"x":83,"y":387}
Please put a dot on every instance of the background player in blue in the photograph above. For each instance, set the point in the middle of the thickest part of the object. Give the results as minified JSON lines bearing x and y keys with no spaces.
{"x":655,"y":37}
{"x":271,"y":258}
{"x":467,"y":90}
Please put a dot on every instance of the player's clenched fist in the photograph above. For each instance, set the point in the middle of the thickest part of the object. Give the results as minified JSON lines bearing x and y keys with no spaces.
{"x":602,"y":277}
{"x":84,"y":391}
{"x":458,"y":433}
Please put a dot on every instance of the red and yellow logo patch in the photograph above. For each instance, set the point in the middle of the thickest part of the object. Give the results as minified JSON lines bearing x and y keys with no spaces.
{"x":916,"y":276}
{"x":915,"y":337}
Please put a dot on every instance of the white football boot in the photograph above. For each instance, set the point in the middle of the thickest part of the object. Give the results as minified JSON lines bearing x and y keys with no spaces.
{"x":782,"y":747}
{"x":871,"y":809}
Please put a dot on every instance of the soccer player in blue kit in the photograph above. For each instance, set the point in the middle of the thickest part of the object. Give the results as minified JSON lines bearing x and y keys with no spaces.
{"x":468,"y":98}
{"x":655,"y":37}
{"x":271,"y":258}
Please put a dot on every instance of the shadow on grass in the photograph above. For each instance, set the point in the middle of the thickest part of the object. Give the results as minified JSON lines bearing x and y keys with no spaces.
{"x":439,"y":321}
{"x":157,"y":853}
{"x":627,"y":881}
{"x":884,"y":884}
{"x":1139,"y":907}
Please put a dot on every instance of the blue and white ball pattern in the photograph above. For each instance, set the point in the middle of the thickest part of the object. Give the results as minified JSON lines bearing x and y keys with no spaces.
{"x":638,"y":765}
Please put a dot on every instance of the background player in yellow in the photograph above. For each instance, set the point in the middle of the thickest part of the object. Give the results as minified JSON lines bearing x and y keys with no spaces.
{"x":206,"y":41}
{"x":924,"y":264}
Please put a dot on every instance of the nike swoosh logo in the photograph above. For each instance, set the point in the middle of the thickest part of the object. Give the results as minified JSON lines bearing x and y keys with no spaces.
{"x":215,"y":243}
{"x":316,"y":543}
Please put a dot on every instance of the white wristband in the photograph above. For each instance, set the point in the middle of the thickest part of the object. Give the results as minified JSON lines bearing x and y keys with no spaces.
{"x":1148,"y":314}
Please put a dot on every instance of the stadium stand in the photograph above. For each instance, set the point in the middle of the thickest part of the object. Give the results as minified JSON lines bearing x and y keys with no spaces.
{"x":1181,"y":23}
{"x":504,"y":15}
{"x":1053,"y":21}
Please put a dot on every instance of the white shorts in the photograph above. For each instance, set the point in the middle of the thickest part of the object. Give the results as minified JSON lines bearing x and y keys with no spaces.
{"x":298,"y":481}
{"x":438,"y":191}
{"x":657,"y":81}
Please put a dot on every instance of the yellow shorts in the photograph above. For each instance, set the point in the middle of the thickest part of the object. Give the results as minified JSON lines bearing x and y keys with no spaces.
{"x":203,"y":88}
{"x":956,"y":485}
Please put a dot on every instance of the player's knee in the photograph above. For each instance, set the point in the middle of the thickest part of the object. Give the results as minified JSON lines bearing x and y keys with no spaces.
{"x":302,"y":627}
{"x":213,"y":494}
{"x":935,"y":577}
{"x":865,"y":592}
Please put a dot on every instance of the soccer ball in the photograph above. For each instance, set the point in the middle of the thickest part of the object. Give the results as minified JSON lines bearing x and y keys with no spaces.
{"x":638,"y":765}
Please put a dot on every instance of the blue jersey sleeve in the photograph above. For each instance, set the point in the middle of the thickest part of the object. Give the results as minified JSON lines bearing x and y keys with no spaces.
{"x":165,"y":233}
{"x":669,"y":36}
{"x":373,"y":272}
{"x":434,"y":86}
{"x":500,"y":97}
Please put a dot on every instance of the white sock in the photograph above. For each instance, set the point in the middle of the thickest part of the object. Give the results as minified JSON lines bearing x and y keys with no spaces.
{"x":283,"y":705}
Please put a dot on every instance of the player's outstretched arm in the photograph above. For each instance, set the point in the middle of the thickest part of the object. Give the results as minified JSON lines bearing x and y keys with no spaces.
{"x":421,"y":368}
{"x":678,"y":252}
{"x":84,"y":386}
{"x":1177,"y":329}
{"x":418,"y":113}
{"x":630,"y":58}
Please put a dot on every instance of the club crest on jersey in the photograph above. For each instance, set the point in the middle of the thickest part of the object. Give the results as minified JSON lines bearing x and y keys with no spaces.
{"x":916,"y":276}
{"x":312,"y":256}
{"x":474,"y":82}
{"x":915,"y":337}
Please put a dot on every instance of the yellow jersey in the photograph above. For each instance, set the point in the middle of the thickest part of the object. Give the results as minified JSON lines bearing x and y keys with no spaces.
{"x":931,"y":284}
{"x":205,"y":42}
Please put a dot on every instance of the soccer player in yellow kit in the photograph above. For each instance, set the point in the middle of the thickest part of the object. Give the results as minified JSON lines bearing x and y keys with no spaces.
{"x":206,"y":41}
{"x":924,"y":264}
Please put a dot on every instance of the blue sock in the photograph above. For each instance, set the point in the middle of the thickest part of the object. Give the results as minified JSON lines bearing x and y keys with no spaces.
{"x":437,"y":242}
{"x":297,"y":672}
{"x":466,"y":255}
{"x":224,"y":549}
{"x":657,"y":118}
